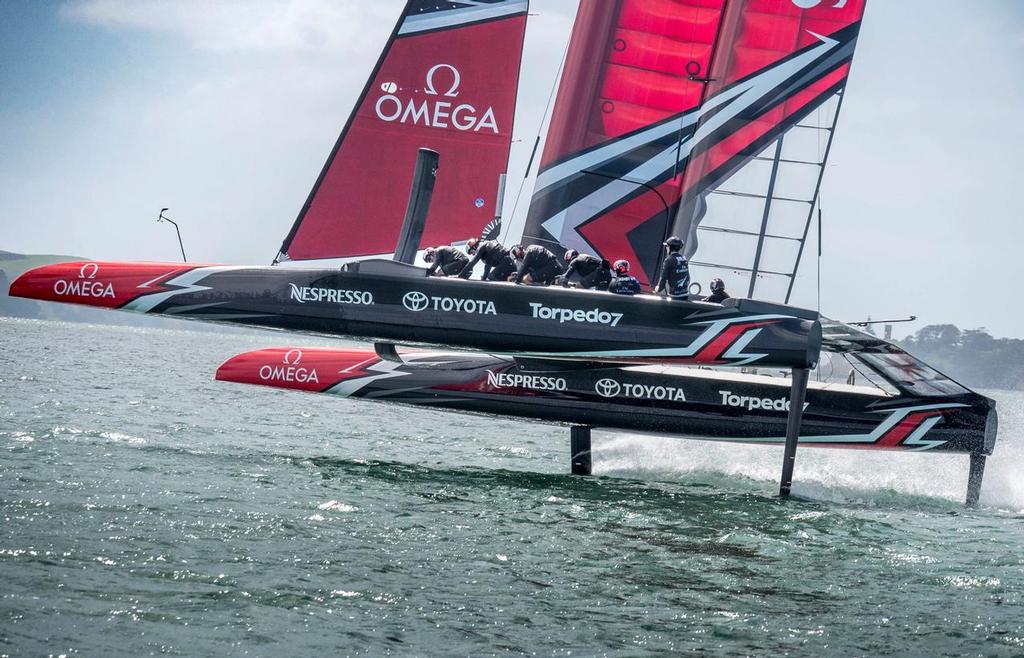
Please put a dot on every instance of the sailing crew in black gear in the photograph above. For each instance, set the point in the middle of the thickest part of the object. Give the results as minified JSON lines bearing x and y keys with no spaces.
{"x":498,"y":263}
{"x":586,"y":271}
{"x":537,"y":263}
{"x":623,"y":283}
{"x":445,"y":261}
{"x":718,"y":293}
{"x":675,"y":271}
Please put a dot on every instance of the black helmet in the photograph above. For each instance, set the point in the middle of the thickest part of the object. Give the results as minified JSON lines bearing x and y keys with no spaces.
{"x":471,"y":245}
{"x":570,"y":254}
{"x":674,"y":243}
{"x":621,"y":267}
{"x":717,"y":284}
{"x":429,"y":254}
{"x":516,"y":251}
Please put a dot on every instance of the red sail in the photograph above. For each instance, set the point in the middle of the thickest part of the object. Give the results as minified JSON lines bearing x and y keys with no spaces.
{"x":447,"y":80}
{"x":674,"y":96}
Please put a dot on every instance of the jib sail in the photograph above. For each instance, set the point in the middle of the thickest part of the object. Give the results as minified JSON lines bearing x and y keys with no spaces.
{"x":446,"y":80}
{"x":662,"y":101}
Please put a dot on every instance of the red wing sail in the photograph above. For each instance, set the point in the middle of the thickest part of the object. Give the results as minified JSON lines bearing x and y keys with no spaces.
{"x":662,"y":100}
{"x":447,"y":80}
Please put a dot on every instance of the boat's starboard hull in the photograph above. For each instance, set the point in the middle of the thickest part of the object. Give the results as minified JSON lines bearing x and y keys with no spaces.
{"x":392,"y":301}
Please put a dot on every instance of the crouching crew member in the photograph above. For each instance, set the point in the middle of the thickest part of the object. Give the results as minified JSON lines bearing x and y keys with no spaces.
{"x":586,"y":271}
{"x":623,"y":283}
{"x":718,"y":293}
{"x":675,"y":271}
{"x":498,"y":263}
{"x":445,"y":261}
{"x":538,"y":265}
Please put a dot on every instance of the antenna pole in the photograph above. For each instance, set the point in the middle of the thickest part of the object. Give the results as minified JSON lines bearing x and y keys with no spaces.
{"x":177,"y":230}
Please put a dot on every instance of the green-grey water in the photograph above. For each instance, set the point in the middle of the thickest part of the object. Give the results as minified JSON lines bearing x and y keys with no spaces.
{"x":148,"y":509}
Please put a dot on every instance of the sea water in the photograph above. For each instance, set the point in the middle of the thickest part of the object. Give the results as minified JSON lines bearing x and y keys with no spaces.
{"x":148,"y":509}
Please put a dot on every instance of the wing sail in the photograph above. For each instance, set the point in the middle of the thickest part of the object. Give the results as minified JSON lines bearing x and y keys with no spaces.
{"x":447,"y":80}
{"x":682,"y":94}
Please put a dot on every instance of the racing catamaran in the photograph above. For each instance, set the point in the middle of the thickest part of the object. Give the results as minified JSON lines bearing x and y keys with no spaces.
{"x":709,"y":119}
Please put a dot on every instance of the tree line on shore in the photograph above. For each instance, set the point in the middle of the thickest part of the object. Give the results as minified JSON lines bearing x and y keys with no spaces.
{"x":971,"y":356}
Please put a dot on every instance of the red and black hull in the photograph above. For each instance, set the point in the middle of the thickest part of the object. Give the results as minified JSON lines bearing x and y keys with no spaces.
{"x":683,"y":402}
{"x":384,"y":300}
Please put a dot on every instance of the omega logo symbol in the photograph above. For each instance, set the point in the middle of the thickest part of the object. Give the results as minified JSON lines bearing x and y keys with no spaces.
{"x":437,"y":105}
{"x":292,"y":357}
{"x":453,"y":91}
{"x":88,"y":271}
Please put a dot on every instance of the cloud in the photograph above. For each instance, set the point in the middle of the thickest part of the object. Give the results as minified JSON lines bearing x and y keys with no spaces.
{"x":298,"y":26}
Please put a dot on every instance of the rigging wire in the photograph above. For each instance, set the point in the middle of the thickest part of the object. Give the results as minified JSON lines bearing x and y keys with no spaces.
{"x":540,"y":130}
{"x":819,"y":254}
{"x":822,"y":159}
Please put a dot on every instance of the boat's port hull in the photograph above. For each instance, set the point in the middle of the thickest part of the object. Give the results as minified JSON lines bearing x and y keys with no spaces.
{"x":630,"y":399}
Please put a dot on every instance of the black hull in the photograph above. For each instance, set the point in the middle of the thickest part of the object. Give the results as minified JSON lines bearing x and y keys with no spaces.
{"x":384,"y":300}
{"x":682,"y":402}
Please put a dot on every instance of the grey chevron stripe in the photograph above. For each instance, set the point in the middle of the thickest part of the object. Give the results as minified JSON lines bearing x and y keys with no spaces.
{"x":473,"y":12}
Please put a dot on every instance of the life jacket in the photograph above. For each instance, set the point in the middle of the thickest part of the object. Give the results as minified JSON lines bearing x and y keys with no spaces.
{"x":624,"y":285}
{"x":675,"y":276}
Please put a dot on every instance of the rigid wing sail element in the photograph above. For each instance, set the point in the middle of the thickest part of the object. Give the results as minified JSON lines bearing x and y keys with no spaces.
{"x":446,"y":80}
{"x":662,"y":101}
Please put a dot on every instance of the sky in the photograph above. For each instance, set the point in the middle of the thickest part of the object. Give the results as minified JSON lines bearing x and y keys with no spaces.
{"x":225,"y":112}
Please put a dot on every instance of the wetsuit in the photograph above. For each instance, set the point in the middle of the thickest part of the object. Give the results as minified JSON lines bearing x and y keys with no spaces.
{"x":624,"y":285}
{"x":675,"y":276}
{"x":498,"y":263}
{"x":449,"y":260}
{"x":589,"y":271}
{"x":541,"y":265}
{"x":717,"y":297}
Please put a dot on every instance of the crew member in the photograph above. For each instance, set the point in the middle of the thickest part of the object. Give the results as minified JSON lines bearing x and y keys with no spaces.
{"x":498,"y":263}
{"x":445,"y":261}
{"x":586,"y":271}
{"x":536,"y":265}
{"x":623,"y":283}
{"x":718,"y":293}
{"x":675,"y":271}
